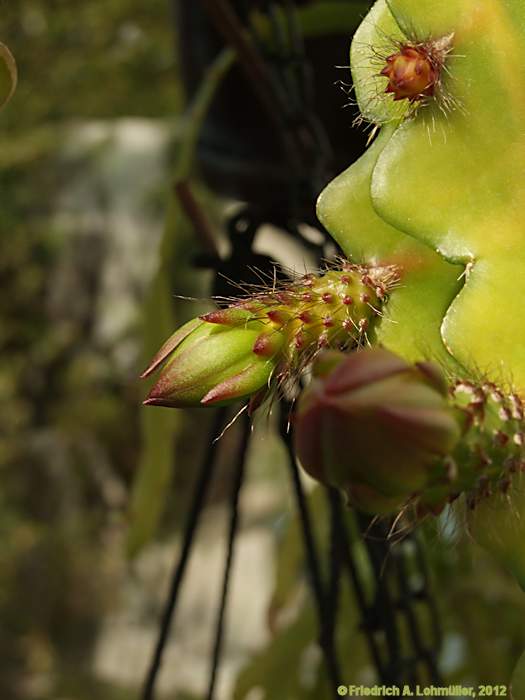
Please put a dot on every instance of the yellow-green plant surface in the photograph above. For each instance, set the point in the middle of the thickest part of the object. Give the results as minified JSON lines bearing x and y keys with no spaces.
{"x":450,"y":178}
{"x":441,"y":194}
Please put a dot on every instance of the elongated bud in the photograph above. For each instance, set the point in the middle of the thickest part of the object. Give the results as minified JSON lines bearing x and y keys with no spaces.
{"x":214,"y":364}
{"x":238,"y":351}
{"x":376,"y":427}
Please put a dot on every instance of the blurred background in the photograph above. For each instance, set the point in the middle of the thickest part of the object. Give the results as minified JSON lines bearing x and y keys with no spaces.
{"x":137,"y":159}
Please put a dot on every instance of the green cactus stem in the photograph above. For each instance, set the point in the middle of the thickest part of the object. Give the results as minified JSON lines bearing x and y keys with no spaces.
{"x":447,"y":176}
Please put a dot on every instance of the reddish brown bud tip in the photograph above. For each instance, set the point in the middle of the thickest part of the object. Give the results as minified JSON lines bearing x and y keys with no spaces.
{"x":307,"y":280}
{"x":323,"y":341}
{"x":283,"y":298}
{"x":230,"y":316}
{"x":268,"y":345}
{"x":232,"y":388}
{"x":412,"y":72}
{"x":278,"y":316}
{"x":305,"y":317}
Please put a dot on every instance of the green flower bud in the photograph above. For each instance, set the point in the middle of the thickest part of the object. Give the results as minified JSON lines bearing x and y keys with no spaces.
{"x":376,"y":427}
{"x":271,"y":337}
{"x":214,"y":363}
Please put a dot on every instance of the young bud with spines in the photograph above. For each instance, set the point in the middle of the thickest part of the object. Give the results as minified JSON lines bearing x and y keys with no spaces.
{"x":268,"y":339}
{"x":414,"y":70}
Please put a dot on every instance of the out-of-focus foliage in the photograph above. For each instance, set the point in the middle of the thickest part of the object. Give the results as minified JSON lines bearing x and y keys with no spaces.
{"x":90,"y":60}
{"x":69,"y":414}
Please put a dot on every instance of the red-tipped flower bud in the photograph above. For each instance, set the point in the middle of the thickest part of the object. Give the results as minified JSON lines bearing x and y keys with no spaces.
{"x":214,"y":363}
{"x":234,"y":352}
{"x":411,"y":73}
{"x":376,"y":427}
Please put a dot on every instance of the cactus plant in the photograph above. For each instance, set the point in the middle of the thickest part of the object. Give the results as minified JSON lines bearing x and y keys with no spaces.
{"x":438,"y":198}
{"x":442,"y":177}
{"x":267,"y":339}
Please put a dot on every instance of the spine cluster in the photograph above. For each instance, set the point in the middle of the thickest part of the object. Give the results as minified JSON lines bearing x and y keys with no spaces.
{"x":415,"y":72}
{"x":333,"y":310}
{"x":491,"y":452}
{"x":495,"y":438}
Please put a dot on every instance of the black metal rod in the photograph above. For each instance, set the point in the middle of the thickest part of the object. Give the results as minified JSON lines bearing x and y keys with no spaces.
{"x":376,"y":540}
{"x":326,"y":639}
{"x":359,"y":590}
{"x":426,"y":594}
{"x":197,"y":506}
{"x":336,"y":547}
{"x":240,"y":470}
{"x":408,"y":596}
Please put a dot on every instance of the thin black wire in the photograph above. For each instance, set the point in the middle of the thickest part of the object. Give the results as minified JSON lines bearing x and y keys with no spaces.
{"x":197,"y":506}
{"x":334,"y":580}
{"x":240,"y":469}
{"x":326,"y":638}
{"x":424,"y":653}
{"x":406,"y":597}
{"x":424,"y":594}
{"x":384,"y":609}
{"x":369,"y":623}
{"x":390,"y":562}
{"x":292,"y":79}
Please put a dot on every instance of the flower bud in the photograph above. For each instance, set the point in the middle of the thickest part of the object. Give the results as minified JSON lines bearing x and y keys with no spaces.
{"x":411,"y":73}
{"x":214,"y":363}
{"x":376,"y":427}
{"x":234,"y":352}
